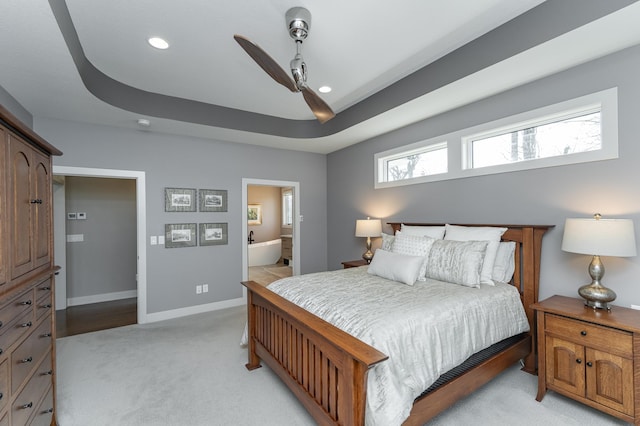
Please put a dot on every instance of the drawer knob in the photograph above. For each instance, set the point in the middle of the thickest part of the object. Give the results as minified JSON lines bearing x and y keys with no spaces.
{"x":49,"y":411}
{"x":26,"y":324}
{"x":1,"y":351}
{"x":46,"y":335}
{"x":25,"y":406}
{"x":583,"y":333}
{"x":28,"y":302}
{"x":26,"y":360}
{"x":578,"y":361}
{"x":1,"y":395}
{"x":47,"y":305}
{"x":0,"y":323}
{"x":45,"y":288}
{"x":589,"y":364}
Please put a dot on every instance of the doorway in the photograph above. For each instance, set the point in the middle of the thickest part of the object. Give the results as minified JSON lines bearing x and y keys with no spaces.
{"x":125,"y":306}
{"x":270,"y":230}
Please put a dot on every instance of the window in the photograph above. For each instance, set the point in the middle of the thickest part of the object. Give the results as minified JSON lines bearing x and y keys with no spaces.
{"x":413,"y":163}
{"x":579,"y":130}
{"x":287,"y":207}
{"x":564,"y":134}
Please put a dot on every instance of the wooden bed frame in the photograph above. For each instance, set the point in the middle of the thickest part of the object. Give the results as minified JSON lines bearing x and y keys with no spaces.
{"x":326,"y":368}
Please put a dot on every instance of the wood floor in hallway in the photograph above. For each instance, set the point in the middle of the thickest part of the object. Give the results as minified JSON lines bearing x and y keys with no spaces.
{"x":96,"y":316}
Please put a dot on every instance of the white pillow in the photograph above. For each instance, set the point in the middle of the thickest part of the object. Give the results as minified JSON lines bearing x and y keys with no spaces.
{"x":436,"y":232}
{"x":505,"y":264}
{"x":396,"y":267}
{"x":413,"y":245}
{"x":387,"y":241}
{"x":458,"y":262}
{"x":479,"y":233}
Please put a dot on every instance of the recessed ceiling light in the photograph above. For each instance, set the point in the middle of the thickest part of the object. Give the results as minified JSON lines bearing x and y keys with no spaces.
{"x":324,"y":89}
{"x":158,"y":43}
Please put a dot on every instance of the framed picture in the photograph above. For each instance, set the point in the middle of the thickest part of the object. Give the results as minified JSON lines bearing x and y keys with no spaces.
{"x":254,"y":214}
{"x":180,"y":235}
{"x":179,"y":200}
{"x":213,"y":200}
{"x":213,"y":234}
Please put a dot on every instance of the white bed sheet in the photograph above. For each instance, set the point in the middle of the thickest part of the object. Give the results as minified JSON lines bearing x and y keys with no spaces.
{"x":425,"y":329}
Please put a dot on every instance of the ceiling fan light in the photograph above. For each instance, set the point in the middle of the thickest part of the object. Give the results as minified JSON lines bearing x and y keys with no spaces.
{"x":324,"y":89}
{"x":158,"y":43}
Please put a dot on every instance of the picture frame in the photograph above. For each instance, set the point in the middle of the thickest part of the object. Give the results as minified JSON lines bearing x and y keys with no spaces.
{"x":214,"y":234}
{"x":254,"y":214}
{"x":213,"y":200}
{"x":179,"y":235}
{"x":180,"y":200}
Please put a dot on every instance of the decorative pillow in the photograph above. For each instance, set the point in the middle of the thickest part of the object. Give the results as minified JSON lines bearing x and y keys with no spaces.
{"x":413,"y":245}
{"x":479,"y":233}
{"x":458,"y":262}
{"x":436,"y":232}
{"x":395,"y":266}
{"x":505,"y":265}
{"x":387,"y":241}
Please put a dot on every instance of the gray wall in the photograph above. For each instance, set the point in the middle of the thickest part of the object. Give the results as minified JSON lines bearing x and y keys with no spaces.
{"x":543,"y":196}
{"x":105,"y":262}
{"x":184,"y":162}
{"x":10,"y":103}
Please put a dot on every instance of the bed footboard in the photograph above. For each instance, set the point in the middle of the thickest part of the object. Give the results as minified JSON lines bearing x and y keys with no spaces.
{"x":323,"y":366}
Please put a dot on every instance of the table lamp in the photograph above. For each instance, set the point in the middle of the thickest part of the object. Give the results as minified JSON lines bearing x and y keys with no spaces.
{"x":368,"y":228}
{"x":599,"y":237}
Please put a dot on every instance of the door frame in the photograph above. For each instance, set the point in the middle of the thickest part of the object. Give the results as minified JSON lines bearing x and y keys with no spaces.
{"x":246,"y":182}
{"x":141,"y":223}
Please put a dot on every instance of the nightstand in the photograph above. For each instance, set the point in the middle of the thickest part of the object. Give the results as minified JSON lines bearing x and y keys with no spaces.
{"x":589,"y":355}
{"x":354,"y":263}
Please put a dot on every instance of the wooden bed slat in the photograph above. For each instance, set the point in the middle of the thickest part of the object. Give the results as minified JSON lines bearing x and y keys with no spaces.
{"x":326,"y":368}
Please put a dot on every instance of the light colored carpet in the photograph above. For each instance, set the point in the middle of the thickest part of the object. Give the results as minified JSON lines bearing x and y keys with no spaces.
{"x":190,"y":371}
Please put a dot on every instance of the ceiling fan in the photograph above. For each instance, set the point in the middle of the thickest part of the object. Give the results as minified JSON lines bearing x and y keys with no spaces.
{"x":298,"y":23}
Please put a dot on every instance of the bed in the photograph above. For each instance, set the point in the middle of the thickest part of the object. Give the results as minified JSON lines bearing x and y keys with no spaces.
{"x":328,"y":368}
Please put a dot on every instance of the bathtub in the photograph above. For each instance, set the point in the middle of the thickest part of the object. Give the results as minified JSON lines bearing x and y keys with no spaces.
{"x":265,"y":253}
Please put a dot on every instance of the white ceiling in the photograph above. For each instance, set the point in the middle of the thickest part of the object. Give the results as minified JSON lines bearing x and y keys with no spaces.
{"x":356,"y":48}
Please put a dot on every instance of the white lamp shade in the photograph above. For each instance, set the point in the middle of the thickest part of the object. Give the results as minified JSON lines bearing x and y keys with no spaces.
{"x":368,"y":228}
{"x":601,"y":237}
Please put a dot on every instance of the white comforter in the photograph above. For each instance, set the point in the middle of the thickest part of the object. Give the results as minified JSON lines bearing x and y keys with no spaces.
{"x":426,"y":329}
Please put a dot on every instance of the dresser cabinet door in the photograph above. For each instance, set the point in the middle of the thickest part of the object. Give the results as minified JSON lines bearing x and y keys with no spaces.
{"x":30,"y":196}
{"x":610,"y":380}
{"x":41,"y":192}
{"x":565,"y":365}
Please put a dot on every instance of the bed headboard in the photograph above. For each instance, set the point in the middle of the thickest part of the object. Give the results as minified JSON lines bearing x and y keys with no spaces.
{"x":526,"y":278}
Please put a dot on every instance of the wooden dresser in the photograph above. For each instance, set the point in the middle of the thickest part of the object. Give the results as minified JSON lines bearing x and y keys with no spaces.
{"x":27,"y":314}
{"x":592,"y":356}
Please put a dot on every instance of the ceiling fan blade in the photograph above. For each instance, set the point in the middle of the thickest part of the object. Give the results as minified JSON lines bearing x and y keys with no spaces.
{"x":320,"y":109}
{"x":266,"y":62}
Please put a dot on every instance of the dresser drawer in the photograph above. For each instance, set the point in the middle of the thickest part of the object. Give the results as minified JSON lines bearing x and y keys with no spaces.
{"x":613,"y":340}
{"x":25,"y":356}
{"x":27,"y":402}
{"x":43,"y":305}
{"x":14,"y":308}
{"x":44,"y":411}
{"x":4,"y":385}
{"x":15,"y":330}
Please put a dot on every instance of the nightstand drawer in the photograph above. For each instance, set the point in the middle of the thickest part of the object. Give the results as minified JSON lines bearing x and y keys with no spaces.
{"x":614,"y":341}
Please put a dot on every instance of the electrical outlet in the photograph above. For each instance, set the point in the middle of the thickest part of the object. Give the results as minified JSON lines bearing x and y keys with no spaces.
{"x":635,"y":307}
{"x":153,"y":240}
{"x":198,"y":289}
{"x":205,"y":288}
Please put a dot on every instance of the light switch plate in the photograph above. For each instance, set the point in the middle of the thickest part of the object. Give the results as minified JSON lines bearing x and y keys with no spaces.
{"x":160,"y":239}
{"x":153,"y":240}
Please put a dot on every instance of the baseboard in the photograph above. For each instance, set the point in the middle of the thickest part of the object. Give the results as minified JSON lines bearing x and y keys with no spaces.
{"x":192,"y":310}
{"x":105,"y":297}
